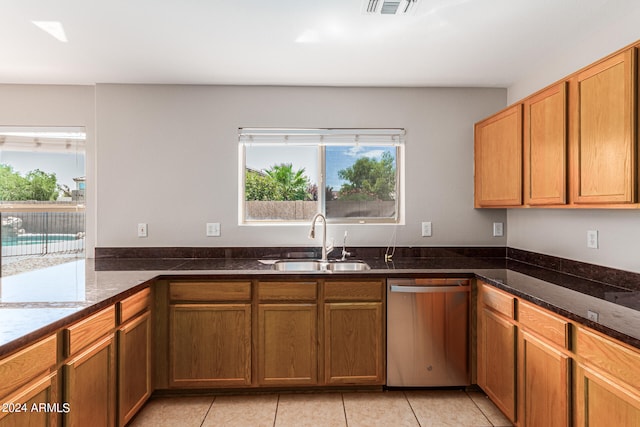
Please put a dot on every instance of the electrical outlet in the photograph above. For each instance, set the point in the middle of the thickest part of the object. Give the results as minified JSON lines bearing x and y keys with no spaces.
{"x":498,"y":229}
{"x":592,"y":239}
{"x":213,"y":229}
{"x":426,"y":229}
{"x":593,"y":315}
{"x":142,"y":229}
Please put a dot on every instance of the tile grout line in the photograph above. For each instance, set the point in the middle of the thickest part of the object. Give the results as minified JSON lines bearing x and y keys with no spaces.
{"x":275,"y":415}
{"x":208,"y":410}
{"x":344,"y":410}
{"x":404,"y":393}
{"x":479,"y":408}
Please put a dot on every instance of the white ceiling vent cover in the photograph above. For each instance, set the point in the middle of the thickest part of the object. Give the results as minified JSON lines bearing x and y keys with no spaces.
{"x":389,"y":7}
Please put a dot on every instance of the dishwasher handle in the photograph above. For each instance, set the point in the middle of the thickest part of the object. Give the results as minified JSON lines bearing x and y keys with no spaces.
{"x":428,"y":289}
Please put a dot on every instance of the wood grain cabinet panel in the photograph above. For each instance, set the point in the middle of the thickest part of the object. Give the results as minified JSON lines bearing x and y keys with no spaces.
{"x":40,"y":394}
{"x":498,"y":159}
{"x":90,"y":386}
{"x":603,"y":401}
{"x":497,"y":360}
{"x":134,"y":366}
{"x":87,"y":331}
{"x":545,"y":147}
{"x":210,"y":345}
{"x":603,"y":128}
{"x":544,"y":384}
{"x":23,"y":366}
{"x":354,"y":347}
{"x":287,"y":344}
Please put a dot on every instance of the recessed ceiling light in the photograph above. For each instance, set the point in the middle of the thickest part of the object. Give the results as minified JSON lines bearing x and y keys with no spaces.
{"x":54,"y":28}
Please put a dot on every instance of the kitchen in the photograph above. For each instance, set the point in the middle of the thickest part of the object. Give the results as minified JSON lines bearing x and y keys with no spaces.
{"x":196,"y":127}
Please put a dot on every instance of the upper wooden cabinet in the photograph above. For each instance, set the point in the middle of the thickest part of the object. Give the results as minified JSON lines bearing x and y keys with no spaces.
{"x":603,"y":134}
{"x":545,"y":147}
{"x":498,"y":159}
{"x":575,"y":142}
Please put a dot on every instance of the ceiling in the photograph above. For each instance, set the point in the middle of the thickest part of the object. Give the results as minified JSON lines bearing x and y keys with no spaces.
{"x":292,"y":42}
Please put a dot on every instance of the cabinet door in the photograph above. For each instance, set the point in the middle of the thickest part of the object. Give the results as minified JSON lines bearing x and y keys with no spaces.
{"x":545,"y":147}
{"x":90,"y":383}
{"x":210,"y":345}
{"x":354,"y":343}
{"x":134,"y":366}
{"x":498,"y":159}
{"x":544,"y":384}
{"x":497,"y":361}
{"x":603,"y":153}
{"x":36,"y":404}
{"x":602,"y":401}
{"x":287,"y":342}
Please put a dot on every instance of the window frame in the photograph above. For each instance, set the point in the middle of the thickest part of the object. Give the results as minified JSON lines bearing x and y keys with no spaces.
{"x":325,"y":137}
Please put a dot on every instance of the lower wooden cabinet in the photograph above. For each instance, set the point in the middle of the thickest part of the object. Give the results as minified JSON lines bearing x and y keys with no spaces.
{"x":607,"y":381}
{"x":210,"y":345}
{"x":544,"y":377}
{"x":354,"y":343}
{"x":36,"y":404}
{"x":287,"y":344}
{"x":602,"y":401}
{"x":566,"y":374}
{"x":134,"y":366}
{"x":497,"y":360}
{"x":90,"y":386}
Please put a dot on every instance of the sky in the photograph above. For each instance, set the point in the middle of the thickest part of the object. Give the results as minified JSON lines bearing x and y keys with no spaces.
{"x":66,"y":166}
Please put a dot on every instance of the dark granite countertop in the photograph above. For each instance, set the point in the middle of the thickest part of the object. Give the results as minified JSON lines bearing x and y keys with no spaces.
{"x":35,"y":304}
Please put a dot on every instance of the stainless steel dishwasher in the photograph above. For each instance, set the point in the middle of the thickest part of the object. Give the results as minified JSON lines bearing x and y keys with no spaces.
{"x":428,"y":332}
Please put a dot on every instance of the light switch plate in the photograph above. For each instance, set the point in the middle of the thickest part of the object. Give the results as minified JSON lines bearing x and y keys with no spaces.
{"x":426,"y":229}
{"x":213,"y":229}
{"x":498,"y":230}
{"x":592,"y":239}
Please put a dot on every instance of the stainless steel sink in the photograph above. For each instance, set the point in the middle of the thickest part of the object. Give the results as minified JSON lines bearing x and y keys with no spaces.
{"x":317,"y":265}
{"x":349,"y":266}
{"x":298,"y":265}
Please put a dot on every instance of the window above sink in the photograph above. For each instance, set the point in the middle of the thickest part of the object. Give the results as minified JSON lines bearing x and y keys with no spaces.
{"x":350,"y":175}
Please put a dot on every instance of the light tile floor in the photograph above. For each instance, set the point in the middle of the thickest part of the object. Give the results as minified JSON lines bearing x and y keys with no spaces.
{"x":419,"y":408}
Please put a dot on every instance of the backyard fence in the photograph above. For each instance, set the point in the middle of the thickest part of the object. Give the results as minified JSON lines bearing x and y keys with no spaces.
{"x":42,"y":233}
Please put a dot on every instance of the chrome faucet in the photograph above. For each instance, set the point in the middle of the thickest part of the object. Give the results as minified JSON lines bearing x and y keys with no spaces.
{"x":345,"y":254}
{"x":312,"y":234}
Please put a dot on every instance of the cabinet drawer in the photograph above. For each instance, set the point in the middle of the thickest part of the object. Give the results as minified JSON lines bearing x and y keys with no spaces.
{"x":364,"y":290}
{"x":544,"y":324}
{"x":137,"y":303}
{"x":498,"y":301}
{"x":287,"y":291}
{"x":210,"y":291}
{"x":87,"y":331}
{"x":607,"y":355}
{"x":26,"y":364}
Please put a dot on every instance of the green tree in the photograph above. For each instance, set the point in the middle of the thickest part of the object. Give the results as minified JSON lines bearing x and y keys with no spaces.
{"x":36,"y":185}
{"x":44,"y":186}
{"x":12,"y":185}
{"x":258,"y":186}
{"x":369,"y":179}
{"x":292,"y":185}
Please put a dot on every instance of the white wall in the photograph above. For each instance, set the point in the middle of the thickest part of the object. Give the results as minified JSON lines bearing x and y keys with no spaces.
{"x":42,"y":105}
{"x":596,"y":43}
{"x":563,"y":233}
{"x":167,"y":156}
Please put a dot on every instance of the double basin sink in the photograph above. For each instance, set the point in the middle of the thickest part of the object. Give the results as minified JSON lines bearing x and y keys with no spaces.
{"x":317,"y":265}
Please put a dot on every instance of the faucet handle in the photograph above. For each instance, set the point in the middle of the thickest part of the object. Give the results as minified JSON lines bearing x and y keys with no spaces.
{"x":330,"y":247}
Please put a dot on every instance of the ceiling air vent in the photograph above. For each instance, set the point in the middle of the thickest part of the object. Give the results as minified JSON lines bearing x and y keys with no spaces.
{"x":389,"y":7}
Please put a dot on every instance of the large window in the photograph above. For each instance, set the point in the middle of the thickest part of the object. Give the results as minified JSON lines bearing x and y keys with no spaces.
{"x":350,"y":175}
{"x":42,"y":197}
